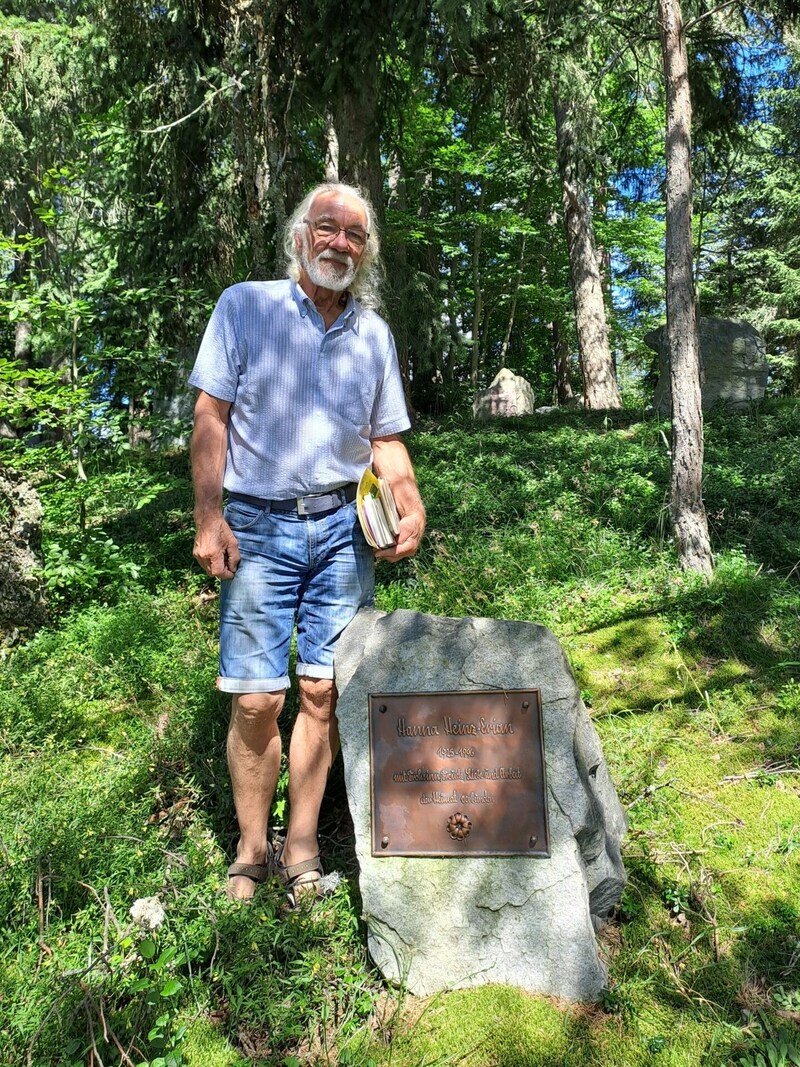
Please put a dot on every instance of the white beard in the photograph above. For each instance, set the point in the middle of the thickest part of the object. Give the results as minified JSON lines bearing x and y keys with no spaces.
{"x":322,"y":273}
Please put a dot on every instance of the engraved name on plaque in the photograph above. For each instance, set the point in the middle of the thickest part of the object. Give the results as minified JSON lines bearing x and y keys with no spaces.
{"x":458,"y":774}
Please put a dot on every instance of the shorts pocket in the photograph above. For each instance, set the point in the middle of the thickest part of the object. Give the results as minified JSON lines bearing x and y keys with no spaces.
{"x":241,"y":516}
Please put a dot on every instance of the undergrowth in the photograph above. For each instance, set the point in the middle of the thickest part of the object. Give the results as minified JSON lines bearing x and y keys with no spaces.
{"x":114,"y":787}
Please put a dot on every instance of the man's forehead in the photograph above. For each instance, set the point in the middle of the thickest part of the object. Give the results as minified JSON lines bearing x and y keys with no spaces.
{"x":336,"y":205}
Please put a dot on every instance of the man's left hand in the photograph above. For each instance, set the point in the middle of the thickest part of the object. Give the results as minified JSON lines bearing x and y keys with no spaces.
{"x":390,"y":460}
{"x":411,"y":529}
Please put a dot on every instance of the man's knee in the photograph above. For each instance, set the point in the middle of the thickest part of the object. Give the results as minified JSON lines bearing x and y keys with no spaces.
{"x":256,"y":708}
{"x":317,"y":698}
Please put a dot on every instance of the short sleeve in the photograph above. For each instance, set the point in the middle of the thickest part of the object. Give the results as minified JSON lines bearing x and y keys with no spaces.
{"x":389,"y":413}
{"x":218,"y":365}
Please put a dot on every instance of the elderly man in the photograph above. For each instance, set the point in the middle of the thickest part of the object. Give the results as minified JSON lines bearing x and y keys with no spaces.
{"x":299,"y":391}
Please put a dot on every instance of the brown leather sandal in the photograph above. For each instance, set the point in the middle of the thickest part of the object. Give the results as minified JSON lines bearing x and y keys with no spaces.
{"x":300,"y":879}
{"x":258,"y":872}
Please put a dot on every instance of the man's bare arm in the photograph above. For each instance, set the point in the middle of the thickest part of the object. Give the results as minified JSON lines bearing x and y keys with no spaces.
{"x":390,"y":460}
{"x":215,"y":547}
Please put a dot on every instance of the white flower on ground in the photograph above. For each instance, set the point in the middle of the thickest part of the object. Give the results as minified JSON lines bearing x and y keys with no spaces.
{"x":148,"y":912}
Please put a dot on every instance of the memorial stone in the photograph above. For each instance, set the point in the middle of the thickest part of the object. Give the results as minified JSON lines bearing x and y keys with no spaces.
{"x":524,"y":920}
{"x":508,"y":395}
{"x":734,"y":368}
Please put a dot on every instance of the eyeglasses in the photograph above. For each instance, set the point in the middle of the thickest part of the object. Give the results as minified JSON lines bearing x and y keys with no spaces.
{"x":329,"y":231}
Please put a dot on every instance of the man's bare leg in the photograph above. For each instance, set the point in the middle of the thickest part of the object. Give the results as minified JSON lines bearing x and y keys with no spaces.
{"x":312,"y":750}
{"x":254,"y":761}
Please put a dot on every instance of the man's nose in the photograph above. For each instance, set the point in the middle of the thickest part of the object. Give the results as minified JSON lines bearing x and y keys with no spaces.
{"x":340,"y":242}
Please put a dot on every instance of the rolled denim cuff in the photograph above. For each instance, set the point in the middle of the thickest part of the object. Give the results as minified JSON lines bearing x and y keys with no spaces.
{"x":313,"y":670}
{"x":252,"y":685}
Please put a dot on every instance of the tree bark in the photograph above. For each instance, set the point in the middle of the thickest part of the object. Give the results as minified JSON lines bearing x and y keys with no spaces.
{"x":564,"y":392}
{"x":477,"y":304}
{"x":517,"y":282}
{"x":597,"y":365}
{"x":687,"y":511}
{"x":331,"y":149}
{"x":358,"y":132}
{"x":260,"y":144}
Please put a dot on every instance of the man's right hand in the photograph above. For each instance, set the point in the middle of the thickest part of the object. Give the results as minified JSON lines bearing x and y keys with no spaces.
{"x":216,"y":548}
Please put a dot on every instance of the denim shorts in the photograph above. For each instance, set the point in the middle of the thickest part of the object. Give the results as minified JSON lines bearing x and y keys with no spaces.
{"x":315,"y":570}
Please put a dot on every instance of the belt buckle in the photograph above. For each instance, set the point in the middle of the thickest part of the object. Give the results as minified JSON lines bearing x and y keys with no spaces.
{"x":301,"y":505}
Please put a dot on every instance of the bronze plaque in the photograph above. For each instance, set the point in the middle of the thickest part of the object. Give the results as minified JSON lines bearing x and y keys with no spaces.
{"x":458,"y":774}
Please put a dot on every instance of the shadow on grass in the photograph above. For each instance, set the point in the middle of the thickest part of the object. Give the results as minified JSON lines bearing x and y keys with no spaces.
{"x":740,"y":627}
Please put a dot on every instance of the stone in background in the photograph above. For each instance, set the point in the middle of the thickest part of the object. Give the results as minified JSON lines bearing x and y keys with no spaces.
{"x":509,"y":394}
{"x":734,"y":369}
{"x":22,"y":604}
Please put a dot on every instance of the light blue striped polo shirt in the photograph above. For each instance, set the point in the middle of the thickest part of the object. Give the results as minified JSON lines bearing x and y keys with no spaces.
{"x":306,"y":402}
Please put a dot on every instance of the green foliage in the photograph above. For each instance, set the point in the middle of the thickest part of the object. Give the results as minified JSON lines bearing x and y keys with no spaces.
{"x":778,"y":1050}
{"x":78,"y":570}
{"x":112,"y":758}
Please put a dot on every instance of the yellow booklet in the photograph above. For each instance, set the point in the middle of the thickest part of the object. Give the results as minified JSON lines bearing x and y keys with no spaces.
{"x":377,"y":511}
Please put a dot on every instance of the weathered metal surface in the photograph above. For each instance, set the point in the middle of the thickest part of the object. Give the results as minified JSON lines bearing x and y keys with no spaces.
{"x":458,"y":774}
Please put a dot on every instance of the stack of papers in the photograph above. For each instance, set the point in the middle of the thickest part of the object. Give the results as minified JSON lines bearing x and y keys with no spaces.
{"x":377,"y":511}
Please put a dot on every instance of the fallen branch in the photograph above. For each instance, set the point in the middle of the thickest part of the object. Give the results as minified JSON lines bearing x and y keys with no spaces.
{"x":648,"y":792}
{"x":713,"y":803}
{"x":107,"y":1030}
{"x":761,"y":772}
{"x":44,"y":948}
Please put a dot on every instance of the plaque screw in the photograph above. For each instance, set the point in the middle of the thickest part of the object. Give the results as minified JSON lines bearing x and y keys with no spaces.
{"x":533,"y":841}
{"x":384,"y":842}
{"x":382,"y":708}
{"x":525,"y":705}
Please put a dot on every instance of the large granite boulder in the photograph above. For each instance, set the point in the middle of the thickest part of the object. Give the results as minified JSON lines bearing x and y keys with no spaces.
{"x":22,"y":603}
{"x":509,"y":394}
{"x":447,"y":923}
{"x":734,"y":369}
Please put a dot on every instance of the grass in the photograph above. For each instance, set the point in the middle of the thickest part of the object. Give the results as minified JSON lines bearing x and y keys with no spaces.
{"x":114,"y":786}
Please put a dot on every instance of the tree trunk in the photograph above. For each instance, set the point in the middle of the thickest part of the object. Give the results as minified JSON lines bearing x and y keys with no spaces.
{"x":331,"y":149}
{"x":687,"y":511}
{"x":394,"y":299}
{"x":260,"y":146}
{"x":358,"y":132}
{"x":477,"y":306}
{"x":456,"y":345}
{"x":515,"y":296}
{"x":597,"y":365}
{"x":564,"y":393}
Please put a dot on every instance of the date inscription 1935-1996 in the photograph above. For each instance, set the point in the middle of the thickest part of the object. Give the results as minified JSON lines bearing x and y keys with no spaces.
{"x":458,"y":774}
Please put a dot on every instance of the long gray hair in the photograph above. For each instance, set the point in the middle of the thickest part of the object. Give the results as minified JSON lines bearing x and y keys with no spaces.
{"x":366,"y":286}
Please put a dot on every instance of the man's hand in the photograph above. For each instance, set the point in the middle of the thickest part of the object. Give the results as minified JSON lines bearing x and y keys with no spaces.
{"x":412,"y":528}
{"x":391,"y":461}
{"x":216,"y":548}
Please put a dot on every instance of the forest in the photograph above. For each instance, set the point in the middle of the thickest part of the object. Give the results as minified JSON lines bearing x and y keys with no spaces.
{"x":151,"y":154}
{"x":545,"y":201}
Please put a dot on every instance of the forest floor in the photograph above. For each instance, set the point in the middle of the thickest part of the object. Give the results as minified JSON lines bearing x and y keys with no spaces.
{"x":114,"y":785}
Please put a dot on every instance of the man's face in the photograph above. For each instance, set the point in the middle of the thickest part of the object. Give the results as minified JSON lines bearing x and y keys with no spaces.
{"x":333,"y":243}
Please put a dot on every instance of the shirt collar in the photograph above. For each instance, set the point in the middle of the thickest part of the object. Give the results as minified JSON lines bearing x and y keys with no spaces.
{"x":305,"y":304}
